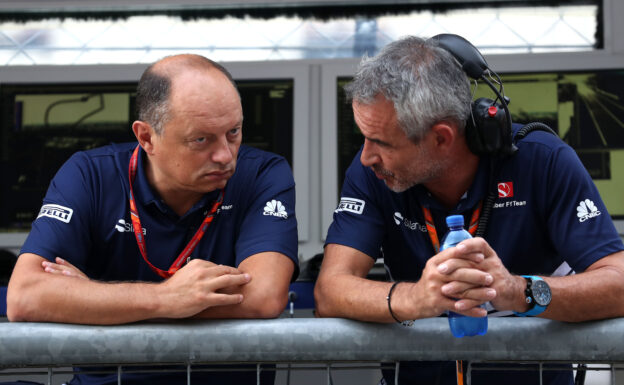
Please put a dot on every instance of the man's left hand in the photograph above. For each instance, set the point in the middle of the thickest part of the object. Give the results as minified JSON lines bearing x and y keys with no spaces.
{"x":508,"y":287}
{"x":63,"y":267}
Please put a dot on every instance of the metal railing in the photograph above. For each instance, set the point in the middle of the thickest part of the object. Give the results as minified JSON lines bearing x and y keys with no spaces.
{"x":306,"y":341}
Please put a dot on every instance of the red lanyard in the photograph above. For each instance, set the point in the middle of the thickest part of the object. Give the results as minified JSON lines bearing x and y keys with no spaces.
{"x":138,"y":232}
{"x":433,"y":234}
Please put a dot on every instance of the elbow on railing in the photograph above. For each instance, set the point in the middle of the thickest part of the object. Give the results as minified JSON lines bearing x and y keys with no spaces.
{"x":269,"y":308}
{"x":322,"y":302}
{"x":19,"y":307}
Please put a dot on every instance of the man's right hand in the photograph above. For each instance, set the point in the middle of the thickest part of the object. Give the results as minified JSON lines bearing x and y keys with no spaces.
{"x":453,"y":268}
{"x":200,"y":285}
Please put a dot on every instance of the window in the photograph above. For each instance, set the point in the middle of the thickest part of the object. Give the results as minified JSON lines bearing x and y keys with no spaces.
{"x":586,"y":108}
{"x":42,"y":125}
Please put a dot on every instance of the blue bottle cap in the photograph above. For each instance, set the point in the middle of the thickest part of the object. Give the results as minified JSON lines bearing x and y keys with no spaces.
{"x":455,"y":220}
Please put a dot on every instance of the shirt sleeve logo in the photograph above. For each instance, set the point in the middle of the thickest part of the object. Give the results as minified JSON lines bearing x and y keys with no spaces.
{"x":352,"y":205}
{"x":61,"y":213}
{"x":275,"y":208}
{"x":587,"y":210}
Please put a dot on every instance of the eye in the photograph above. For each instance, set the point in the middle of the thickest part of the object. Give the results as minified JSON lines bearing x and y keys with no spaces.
{"x":200,"y":140}
{"x":234,"y":131}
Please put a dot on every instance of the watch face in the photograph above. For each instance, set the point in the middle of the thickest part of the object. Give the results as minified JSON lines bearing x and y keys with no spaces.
{"x":541,"y":292}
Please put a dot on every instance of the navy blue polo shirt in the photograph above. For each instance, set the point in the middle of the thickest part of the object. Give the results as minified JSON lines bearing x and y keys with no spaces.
{"x":548,"y":219}
{"x":85,"y":219}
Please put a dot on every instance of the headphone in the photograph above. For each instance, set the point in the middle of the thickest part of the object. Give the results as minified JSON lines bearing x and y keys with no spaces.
{"x":488,"y":130}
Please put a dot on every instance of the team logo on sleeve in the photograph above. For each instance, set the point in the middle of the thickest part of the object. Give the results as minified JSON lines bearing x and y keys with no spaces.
{"x":352,"y":205}
{"x":275,"y":208}
{"x":587,"y":210}
{"x":61,"y":213}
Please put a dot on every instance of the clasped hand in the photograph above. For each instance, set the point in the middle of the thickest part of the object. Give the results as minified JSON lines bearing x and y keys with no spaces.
{"x":467,"y":276}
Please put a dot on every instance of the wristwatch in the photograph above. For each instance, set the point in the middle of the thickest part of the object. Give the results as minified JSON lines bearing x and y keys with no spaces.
{"x":537,"y":294}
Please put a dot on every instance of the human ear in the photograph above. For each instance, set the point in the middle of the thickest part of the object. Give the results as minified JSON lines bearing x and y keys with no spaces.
{"x":144,"y":134}
{"x":444,"y":134}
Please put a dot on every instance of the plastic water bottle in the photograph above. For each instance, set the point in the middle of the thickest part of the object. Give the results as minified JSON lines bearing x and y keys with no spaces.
{"x":461,"y":326}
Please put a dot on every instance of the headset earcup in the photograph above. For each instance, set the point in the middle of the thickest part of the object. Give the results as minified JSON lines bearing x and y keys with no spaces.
{"x":487,"y":129}
{"x":474,"y":134}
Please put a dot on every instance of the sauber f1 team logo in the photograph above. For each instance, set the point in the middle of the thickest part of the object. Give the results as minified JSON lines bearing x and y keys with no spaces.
{"x":505,"y":189}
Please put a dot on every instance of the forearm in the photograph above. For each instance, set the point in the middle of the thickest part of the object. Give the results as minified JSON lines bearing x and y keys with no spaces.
{"x":71,"y":300}
{"x":593,"y":294}
{"x":61,"y":293}
{"x":349,"y":296}
{"x":587,"y":296}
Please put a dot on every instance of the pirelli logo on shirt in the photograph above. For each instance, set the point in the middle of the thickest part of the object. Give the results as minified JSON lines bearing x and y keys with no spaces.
{"x":61,"y":213}
{"x":352,"y":205}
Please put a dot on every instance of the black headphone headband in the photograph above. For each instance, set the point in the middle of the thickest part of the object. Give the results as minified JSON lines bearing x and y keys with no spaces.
{"x":488,"y":131}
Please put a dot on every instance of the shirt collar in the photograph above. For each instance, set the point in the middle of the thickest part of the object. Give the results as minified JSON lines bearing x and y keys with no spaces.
{"x":469,"y":200}
{"x":146,"y":195}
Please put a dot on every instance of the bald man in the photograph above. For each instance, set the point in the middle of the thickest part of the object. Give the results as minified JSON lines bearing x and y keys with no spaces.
{"x":184,"y":223}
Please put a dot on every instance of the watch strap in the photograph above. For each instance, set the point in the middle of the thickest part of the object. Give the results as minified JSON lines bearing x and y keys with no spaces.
{"x":534,"y":308}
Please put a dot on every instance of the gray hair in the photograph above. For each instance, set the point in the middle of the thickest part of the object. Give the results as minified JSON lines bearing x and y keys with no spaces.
{"x":423,"y":81}
{"x":154,"y":88}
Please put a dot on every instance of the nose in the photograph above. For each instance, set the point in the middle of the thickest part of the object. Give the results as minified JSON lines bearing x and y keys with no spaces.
{"x":368,"y":157}
{"x":223,"y":152}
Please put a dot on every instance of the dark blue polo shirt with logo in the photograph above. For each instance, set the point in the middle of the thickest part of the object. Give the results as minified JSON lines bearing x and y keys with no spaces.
{"x":85,"y":219}
{"x":548,"y":219}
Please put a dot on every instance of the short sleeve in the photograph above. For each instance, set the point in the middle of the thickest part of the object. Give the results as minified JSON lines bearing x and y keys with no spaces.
{"x":269,"y":222}
{"x":357,"y":221}
{"x":580,"y":227}
{"x":62,"y":227}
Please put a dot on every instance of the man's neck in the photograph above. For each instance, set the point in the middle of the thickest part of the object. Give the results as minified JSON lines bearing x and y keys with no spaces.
{"x":180,"y":201}
{"x":456,"y":180}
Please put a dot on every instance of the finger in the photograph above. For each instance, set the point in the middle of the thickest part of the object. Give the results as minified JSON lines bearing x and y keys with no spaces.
{"x":203,"y":262}
{"x":453,"y":264}
{"x":469,"y":308}
{"x":223,"y":270}
{"x":69,"y":269}
{"x":474,"y":277}
{"x":219,"y":299}
{"x":476,"y":245}
{"x":61,"y":262}
{"x":229,"y":280}
{"x":458,"y":253}
{"x":462,"y":290}
{"x":49,"y":268}
{"x":54,"y":270}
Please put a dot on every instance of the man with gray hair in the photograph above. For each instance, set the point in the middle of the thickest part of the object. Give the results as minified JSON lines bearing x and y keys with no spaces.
{"x":184,"y":223}
{"x":411,"y":103}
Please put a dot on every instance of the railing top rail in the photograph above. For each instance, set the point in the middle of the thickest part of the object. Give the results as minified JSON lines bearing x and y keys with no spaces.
{"x":306,"y":340}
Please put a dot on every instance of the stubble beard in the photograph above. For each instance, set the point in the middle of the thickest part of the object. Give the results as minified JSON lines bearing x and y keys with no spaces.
{"x":414,"y":174}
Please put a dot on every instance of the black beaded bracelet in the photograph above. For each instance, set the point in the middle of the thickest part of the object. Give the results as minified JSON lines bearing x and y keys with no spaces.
{"x":389,"y":298}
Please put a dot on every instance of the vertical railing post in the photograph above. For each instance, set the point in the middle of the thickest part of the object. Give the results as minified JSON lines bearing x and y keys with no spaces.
{"x":396,"y":372}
